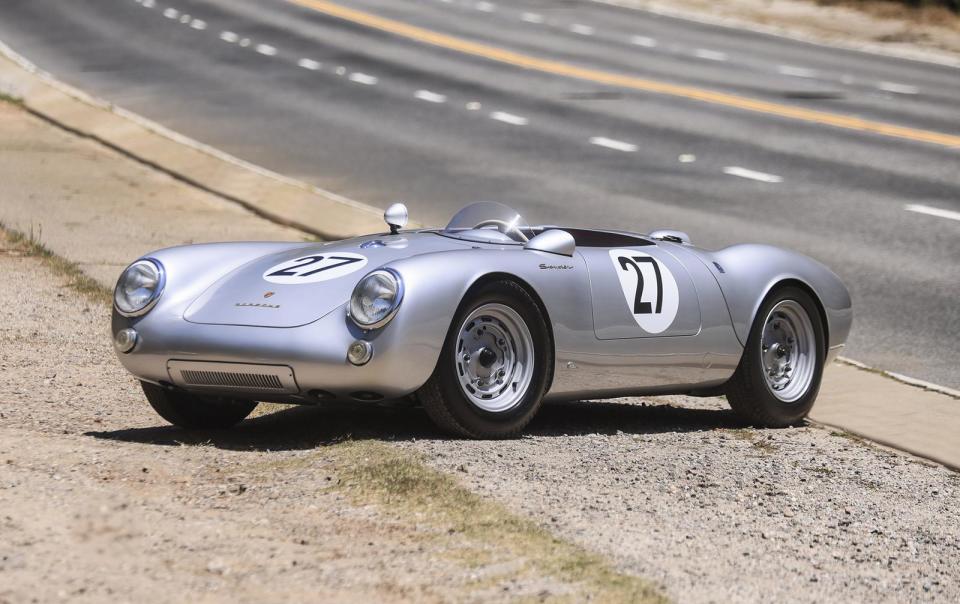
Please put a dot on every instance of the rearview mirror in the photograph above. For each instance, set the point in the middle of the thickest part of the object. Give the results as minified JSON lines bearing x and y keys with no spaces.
{"x":396,"y":217}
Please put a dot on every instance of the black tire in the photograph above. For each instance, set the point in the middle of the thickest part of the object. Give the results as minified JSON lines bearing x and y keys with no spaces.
{"x":197,"y":412}
{"x":442,"y":396}
{"x":748,"y":392}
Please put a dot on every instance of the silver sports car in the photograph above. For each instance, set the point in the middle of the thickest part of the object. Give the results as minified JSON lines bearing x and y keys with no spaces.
{"x":480,"y":322}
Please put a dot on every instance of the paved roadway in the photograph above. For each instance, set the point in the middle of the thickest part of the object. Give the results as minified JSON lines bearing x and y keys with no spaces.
{"x":363,"y":106}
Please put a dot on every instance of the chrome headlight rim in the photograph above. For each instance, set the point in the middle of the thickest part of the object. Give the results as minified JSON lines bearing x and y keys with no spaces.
{"x":398,"y":298}
{"x":155,"y":296}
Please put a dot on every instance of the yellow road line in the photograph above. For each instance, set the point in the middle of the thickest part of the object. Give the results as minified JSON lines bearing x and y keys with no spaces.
{"x":509,"y":57}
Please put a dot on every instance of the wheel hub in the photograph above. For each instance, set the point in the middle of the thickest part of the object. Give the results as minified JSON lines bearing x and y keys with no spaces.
{"x":494,"y":358}
{"x":788,"y":351}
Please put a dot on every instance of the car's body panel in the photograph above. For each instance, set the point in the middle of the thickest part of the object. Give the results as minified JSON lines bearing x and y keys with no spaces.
{"x":613,"y":331}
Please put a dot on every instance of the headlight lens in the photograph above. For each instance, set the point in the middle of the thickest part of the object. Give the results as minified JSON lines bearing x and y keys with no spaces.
{"x":139,"y":287}
{"x":376,"y":298}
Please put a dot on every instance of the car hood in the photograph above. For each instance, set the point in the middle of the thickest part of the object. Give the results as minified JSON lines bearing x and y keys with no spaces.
{"x":302,"y":284}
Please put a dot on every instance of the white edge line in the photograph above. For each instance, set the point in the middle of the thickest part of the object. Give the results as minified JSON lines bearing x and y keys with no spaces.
{"x":509,"y":118}
{"x":430,"y":97}
{"x":752,"y":174}
{"x":929,"y":211}
{"x":609,"y":143}
{"x":898,"y":88}
{"x":710,"y":55}
{"x":176,"y":136}
{"x":309,"y":64}
{"x":362,"y":78}
{"x":910,"y":381}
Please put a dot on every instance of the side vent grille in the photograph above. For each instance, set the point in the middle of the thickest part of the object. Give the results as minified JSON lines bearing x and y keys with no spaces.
{"x":255,"y":381}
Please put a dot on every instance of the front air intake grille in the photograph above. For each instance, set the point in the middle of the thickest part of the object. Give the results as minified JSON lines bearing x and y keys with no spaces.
{"x":254,"y":381}
{"x":213,"y":376}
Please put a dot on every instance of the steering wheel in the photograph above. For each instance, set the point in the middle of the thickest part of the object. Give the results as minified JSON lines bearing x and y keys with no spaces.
{"x":504,"y":227}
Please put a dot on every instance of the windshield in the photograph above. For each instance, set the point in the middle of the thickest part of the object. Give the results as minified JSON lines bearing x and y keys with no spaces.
{"x":488,"y":221}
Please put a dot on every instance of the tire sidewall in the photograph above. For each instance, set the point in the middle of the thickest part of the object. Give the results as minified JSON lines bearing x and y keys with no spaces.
{"x":786,"y":413}
{"x":464,"y":411}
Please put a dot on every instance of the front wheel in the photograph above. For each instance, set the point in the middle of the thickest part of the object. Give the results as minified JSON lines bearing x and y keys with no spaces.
{"x":495,"y":365}
{"x":779,"y":375}
{"x":196,"y":412}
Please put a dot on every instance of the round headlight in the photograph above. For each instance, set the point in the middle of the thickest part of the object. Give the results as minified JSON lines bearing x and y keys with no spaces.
{"x":376,"y":298}
{"x":138,"y":287}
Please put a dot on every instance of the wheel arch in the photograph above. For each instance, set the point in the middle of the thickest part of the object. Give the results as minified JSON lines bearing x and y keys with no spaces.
{"x":802,"y":285}
{"x":493,"y":276}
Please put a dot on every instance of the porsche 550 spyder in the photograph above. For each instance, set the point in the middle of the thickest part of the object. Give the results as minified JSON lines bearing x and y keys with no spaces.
{"x":480,"y":322}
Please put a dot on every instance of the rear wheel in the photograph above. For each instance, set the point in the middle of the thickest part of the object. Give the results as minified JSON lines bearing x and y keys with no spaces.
{"x":779,"y":375}
{"x":495,"y":366}
{"x":197,"y":412}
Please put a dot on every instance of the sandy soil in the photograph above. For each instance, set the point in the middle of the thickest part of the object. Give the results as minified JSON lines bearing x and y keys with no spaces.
{"x":933,"y":35}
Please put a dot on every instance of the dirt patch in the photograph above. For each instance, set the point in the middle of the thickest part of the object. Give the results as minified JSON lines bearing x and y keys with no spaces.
{"x":99,"y":499}
{"x":926,"y":33}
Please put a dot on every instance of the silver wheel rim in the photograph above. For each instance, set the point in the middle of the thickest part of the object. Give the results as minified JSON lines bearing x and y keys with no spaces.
{"x":494,"y":358}
{"x":788,"y":351}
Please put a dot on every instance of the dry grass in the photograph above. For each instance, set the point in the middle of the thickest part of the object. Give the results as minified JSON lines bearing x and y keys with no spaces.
{"x":30,"y":244}
{"x":943,"y":13}
{"x":399,"y":482}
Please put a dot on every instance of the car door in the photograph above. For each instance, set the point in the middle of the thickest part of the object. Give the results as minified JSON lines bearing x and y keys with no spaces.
{"x":641,"y":291}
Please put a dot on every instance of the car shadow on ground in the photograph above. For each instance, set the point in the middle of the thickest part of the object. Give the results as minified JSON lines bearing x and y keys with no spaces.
{"x":312,"y":427}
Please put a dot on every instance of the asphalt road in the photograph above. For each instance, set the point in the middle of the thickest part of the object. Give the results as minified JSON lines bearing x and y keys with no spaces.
{"x":367,"y":108}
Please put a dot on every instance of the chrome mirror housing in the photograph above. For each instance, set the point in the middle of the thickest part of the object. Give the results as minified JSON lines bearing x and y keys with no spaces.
{"x":553,"y":241}
{"x":396,"y":217}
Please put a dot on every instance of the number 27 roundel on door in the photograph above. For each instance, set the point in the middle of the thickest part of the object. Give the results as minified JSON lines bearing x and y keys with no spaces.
{"x":649,"y":289}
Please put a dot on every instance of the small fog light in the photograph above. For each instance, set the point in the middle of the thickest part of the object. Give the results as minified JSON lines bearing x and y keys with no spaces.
{"x":126,"y":339}
{"x":360,"y":352}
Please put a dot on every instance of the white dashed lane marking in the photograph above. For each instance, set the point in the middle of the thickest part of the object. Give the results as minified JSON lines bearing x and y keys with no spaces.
{"x":898,"y":88}
{"x":430,"y":97}
{"x":185,"y":19}
{"x":710,"y":55}
{"x":645,"y":41}
{"x":752,"y":174}
{"x":797,"y":72}
{"x":531,"y":17}
{"x":266,"y":49}
{"x":362,"y":78}
{"x":485,"y":7}
{"x":171,"y":13}
{"x":198,"y":24}
{"x":610,"y":143}
{"x":509,"y":118}
{"x":309,"y":64}
{"x":581,"y":29}
{"x":244,"y":42}
{"x":229,"y":36}
{"x":148,"y":4}
{"x":921,"y":209}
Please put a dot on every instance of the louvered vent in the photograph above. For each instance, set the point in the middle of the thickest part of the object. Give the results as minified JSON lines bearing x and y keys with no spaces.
{"x":255,"y":381}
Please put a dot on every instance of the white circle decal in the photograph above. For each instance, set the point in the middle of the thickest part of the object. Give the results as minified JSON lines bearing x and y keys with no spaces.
{"x":319,"y":267}
{"x":649,"y":289}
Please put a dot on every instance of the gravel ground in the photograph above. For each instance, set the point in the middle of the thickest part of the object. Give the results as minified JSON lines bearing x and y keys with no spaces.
{"x":672,"y":489}
{"x":100,"y":501}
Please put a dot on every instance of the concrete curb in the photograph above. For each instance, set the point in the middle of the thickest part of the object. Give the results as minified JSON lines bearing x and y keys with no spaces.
{"x":278,"y":198}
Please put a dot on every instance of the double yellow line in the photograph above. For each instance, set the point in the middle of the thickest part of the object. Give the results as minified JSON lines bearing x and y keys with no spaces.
{"x":516,"y":59}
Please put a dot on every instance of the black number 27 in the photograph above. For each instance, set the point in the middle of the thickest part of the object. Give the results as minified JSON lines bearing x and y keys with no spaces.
{"x":291,"y":271}
{"x":639,"y":307}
